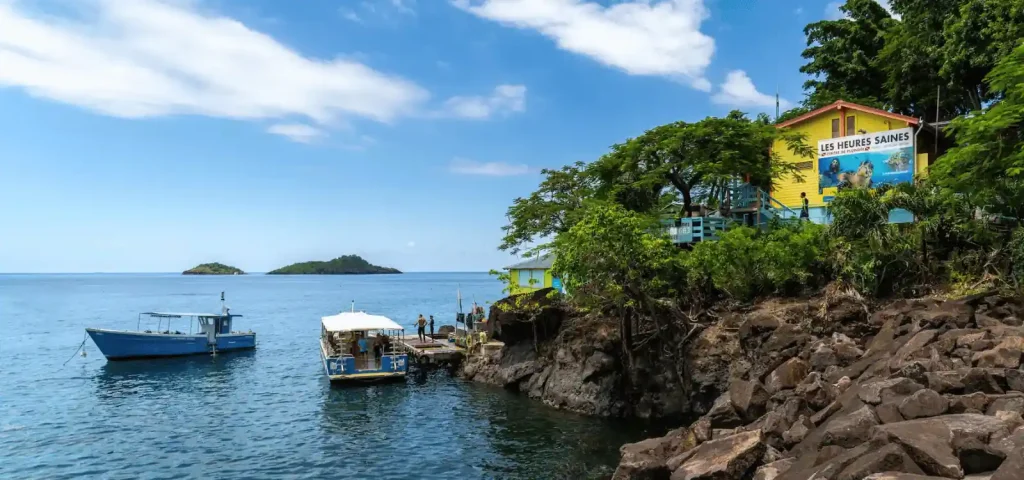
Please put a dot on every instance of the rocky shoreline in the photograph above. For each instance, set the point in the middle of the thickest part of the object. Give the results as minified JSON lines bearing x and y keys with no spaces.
{"x":795,"y":389}
{"x":929,"y":389}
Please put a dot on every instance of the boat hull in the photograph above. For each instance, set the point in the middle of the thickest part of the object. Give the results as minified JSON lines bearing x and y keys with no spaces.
{"x":342,"y":370}
{"x":125,"y":345}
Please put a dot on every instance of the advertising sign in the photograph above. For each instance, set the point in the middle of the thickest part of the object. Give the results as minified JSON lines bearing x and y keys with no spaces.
{"x":865,"y":161}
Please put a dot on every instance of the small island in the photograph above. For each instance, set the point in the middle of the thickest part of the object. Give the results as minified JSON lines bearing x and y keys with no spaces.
{"x":344,"y":265}
{"x":213,"y":269}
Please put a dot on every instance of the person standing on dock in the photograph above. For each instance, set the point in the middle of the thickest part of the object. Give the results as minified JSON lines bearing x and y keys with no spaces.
{"x":421,"y":328}
{"x":431,"y":328}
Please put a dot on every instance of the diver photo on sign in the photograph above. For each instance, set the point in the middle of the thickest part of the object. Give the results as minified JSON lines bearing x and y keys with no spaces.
{"x":866,"y":161}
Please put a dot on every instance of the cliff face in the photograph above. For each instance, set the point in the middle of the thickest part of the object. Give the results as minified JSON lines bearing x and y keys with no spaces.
{"x":917,"y":389}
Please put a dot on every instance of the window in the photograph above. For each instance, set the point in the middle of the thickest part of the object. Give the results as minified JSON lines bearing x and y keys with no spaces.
{"x":835,"y":128}
{"x":851,"y":125}
{"x":536,"y":275}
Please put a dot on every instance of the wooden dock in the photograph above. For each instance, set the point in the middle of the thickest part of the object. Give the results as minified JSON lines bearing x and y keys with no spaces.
{"x":432,"y":352}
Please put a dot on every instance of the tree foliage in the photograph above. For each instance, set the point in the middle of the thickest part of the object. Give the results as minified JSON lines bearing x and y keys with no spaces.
{"x":988,"y":164}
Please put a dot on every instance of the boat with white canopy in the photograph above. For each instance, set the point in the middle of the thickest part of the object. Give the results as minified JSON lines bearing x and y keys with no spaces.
{"x":359,"y":347}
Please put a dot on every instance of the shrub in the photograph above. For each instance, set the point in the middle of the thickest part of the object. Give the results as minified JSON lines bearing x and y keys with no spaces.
{"x":746,"y":262}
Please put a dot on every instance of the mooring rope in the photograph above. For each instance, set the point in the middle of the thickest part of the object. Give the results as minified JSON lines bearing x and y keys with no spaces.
{"x":85,"y":337}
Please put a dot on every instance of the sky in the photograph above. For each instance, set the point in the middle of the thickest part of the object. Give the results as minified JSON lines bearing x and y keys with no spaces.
{"x":154,"y":135}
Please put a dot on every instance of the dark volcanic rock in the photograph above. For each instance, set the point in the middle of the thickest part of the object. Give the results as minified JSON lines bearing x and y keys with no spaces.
{"x":923,"y":403}
{"x":749,"y":398}
{"x":731,"y":457}
{"x":977,"y":457}
{"x":723,"y":414}
{"x":929,"y":444}
{"x":646,"y":460}
{"x":850,"y":430}
{"x":890,"y":458}
{"x":787,"y":375}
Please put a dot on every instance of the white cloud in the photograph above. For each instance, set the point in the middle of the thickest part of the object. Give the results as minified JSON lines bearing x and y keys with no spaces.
{"x":351,"y":15}
{"x":298,"y":132}
{"x":494,"y":169}
{"x":152,"y":58}
{"x":404,"y":6}
{"x":739,"y":91}
{"x":640,"y":37}
{"x":504,"y":99}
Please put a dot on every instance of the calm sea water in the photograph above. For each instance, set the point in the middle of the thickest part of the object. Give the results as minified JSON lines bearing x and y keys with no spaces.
{"x":268,"y":413}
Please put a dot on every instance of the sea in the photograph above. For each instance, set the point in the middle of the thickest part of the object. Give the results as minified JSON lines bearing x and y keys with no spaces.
{"x":268,"y":413}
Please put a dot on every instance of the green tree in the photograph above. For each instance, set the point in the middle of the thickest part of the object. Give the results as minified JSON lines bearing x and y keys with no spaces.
{"x":698,"y":160}
{"x":615,"y":260}
{"x":987,"y":166}
{"x":550,"y":210}
{"x":843,"y":54}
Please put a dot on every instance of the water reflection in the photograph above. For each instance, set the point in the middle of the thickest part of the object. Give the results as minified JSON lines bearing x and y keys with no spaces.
{"x":116,"y":380}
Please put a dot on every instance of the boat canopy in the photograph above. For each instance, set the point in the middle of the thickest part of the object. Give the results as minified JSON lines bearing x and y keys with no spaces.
{"x":358,"y":321}
{"x":180,"y":315}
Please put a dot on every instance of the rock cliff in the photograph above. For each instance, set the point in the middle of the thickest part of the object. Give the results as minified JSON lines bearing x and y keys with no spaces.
{"x":915,"y":390}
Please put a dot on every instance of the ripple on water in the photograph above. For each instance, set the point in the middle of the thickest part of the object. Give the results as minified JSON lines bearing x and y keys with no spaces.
{"x":267,"y":413}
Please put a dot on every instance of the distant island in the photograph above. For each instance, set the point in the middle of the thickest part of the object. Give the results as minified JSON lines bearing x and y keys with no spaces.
{"x":344,"y":265}
{"x":213,"y":269}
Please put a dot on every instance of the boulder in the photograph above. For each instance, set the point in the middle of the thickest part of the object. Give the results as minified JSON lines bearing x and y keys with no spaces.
{"x":912,"y":347}
{"x":702,"y":429}
{"x":723,"y":414}
{"x":847,"y":352}
{"x":889,"y":413}
{"x":902,"y":476}
{"x":749,"y":398}
{"x":823,"y":357}
{"x":976,"y":402}
{"x":774,"y":469}
{"x":1010,"y":442}
{"x":916,"y":370}
{"x":980,"y":380}
{"x":998,"y":357}
{"x":728,"y":458}
{"x":1015,"y":380}
{"x":645,"y":460}
{"x":945,"y":381}
{"x":890,"y":458}
{"x":817,"y":393}
{"x":797,"y":432}
{"x":851,"y":429}
{"x":975,"y":456}
{"x":887,"y":390}
{"x":787,"y":375}
{"x":968,"y":339}
{"x":823,"y":414}
{"x":1007,"y":403}
{"x":929,"y":444}
{"x":1012,"y":468}
{"x":923,"y":403}
{"x":785,"y":336}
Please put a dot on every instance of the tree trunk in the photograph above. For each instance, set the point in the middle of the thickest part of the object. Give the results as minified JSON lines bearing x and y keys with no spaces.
{"x":687,"y":201}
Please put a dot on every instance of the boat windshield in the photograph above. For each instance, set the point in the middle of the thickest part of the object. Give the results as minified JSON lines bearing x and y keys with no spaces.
{"x":166,"y":324}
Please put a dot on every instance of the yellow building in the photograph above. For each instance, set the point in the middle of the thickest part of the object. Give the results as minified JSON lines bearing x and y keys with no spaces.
{"x":857,"y":146}
{"x":532,"y":275}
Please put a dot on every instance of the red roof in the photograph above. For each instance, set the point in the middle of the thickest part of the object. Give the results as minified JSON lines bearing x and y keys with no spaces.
{"x":852,"y":106}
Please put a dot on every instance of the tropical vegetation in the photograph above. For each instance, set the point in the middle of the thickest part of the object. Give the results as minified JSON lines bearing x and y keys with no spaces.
{"x":213,"y":269}
{"x":343,"y":265}
{"x":961,"y":60}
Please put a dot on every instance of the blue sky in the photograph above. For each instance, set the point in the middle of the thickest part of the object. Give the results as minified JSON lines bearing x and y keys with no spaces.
{"x":149,"y":136}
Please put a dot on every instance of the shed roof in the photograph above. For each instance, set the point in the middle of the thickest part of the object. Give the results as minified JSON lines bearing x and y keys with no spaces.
{"x":852,"y":106}
{"x":542,"y":262}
